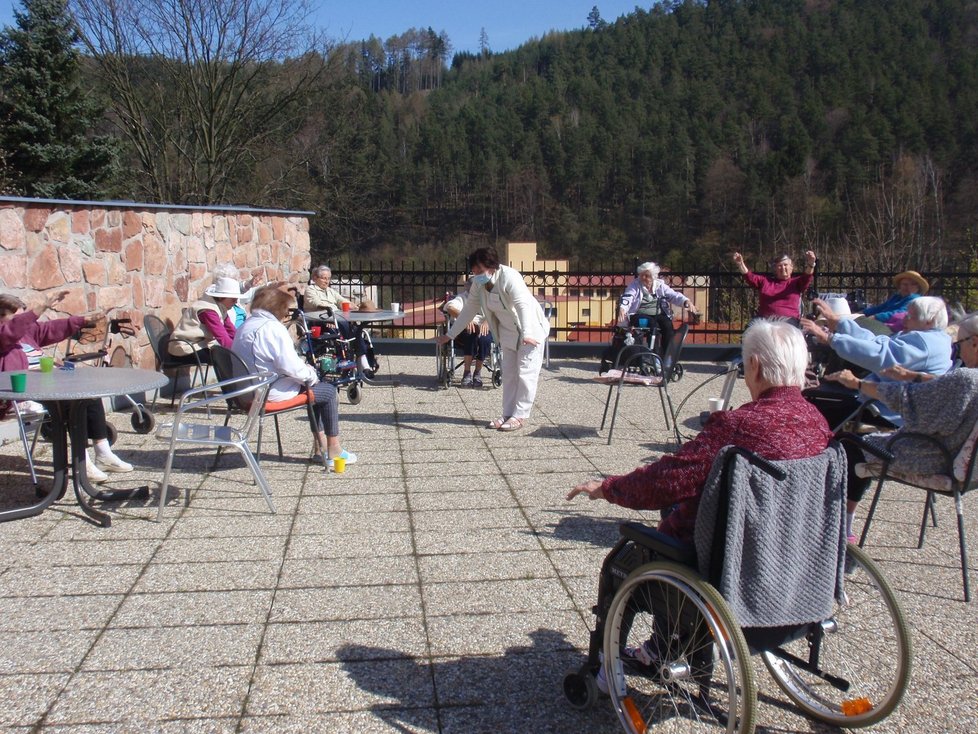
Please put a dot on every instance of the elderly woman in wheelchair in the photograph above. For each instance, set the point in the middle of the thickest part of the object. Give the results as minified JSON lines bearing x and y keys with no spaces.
{"x":740,"y":548}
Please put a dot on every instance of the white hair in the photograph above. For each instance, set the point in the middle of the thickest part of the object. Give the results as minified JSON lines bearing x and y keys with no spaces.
{"x":648,"y":267}
{"x":225,"y":270}
{"x":967,"y":325}
{"x":780,"y":351}
{"x":931,"y":310}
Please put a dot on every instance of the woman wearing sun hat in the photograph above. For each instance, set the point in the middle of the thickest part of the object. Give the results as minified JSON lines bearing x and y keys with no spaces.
{"x":909,"y":285}
{"x":207,"y":321}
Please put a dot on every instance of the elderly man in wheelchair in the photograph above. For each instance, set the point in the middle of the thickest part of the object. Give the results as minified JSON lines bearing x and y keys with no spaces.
{"x":751,"y":557}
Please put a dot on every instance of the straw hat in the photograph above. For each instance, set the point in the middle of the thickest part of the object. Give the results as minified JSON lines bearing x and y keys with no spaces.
{"x":368,"y":306}
{"x":922,"y":285}
{"x":224,"y":288}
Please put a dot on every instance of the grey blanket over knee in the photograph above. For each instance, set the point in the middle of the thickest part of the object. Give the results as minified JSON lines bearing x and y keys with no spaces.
{"x":784,"y":552}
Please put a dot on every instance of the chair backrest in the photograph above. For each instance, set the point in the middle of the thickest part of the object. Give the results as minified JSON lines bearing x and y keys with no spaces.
{"x":159,"y":335}
{"x":964,"y":463}
{"x":229,"y":366}
{"x":671,"y":357}
{"x":774,"y":548}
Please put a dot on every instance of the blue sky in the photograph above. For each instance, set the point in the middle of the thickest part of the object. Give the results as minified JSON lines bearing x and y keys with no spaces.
{"x":508,"y":23}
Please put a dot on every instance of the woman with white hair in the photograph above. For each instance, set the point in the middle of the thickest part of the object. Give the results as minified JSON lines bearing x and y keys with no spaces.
{"x":648,"y":295}
{"x":777,"y":424}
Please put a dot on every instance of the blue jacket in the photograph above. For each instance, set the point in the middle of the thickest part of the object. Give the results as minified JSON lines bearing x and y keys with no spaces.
{"x":890,"y":307}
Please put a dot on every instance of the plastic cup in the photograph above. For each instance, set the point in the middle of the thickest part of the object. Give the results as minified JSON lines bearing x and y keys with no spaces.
{"x":346,"y":307}
{"x":47,"y":364}
{"x":339,"y":465}
{"x":18,"y":381}
{"x":396,"y":307}
{"x":716,"y":404}
{"x":315,"y":331}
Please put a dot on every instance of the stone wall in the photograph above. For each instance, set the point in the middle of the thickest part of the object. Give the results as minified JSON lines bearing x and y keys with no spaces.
{"x":130,"y":259}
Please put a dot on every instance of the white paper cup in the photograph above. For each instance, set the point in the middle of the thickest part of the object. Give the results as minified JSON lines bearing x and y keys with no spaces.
{"x":395,"y":307}
{"x":716,"y":404}
{"x":839,"y":306}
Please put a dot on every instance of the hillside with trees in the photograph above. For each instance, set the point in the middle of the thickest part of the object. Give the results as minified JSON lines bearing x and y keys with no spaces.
{"x":679,"y":132}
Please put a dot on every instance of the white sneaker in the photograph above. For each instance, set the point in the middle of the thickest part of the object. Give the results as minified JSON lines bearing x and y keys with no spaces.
{"x":113,"y":463}
{"x":95,"y":474}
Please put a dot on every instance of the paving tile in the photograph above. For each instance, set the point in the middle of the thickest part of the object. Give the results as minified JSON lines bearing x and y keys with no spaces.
{"x":489,"y":597}
{"x":50,"y":651}
{"x":319,"y":572}
{"x":352,"y":602}
{"x":26,"y":697}
{"x":190,"y":550}
{"x":194,"y":608}
{"x":209,"y":576}
{"x":358,"y":684}
{"x":318,"y":642}
{"x":487,"y":634}
{"x":472,"y":499}
{"x":347,"y":523}
{"x":26,"y":614}
{"x":473,"y":541}
{"x":366,"y":543}
{"x":381,"y":721}
{"x":36,"y":580}
{"x":175,"y":647}
{"x":486,"y":518}
{"x":484,"y":566}
{"x":354,"y":503}
{"x":146,"y":696}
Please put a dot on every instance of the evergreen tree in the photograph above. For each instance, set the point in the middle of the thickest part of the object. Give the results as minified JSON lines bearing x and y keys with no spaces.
{"x":47,"y":117}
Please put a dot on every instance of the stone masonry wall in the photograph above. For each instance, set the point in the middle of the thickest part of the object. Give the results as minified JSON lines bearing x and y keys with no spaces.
{"x":129,"y":260}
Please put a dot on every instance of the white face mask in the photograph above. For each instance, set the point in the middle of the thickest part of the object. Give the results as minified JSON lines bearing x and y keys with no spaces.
{"x":481,"y":278}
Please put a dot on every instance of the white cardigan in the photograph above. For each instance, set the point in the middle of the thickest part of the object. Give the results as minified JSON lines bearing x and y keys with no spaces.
{"x":528,"y":321}
{"x":265,"y":345}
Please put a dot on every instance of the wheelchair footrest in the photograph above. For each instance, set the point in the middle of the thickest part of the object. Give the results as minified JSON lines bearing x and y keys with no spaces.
{"x":659,"y":543}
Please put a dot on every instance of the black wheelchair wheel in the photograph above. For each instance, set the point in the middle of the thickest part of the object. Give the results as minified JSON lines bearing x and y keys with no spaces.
{"x":692,"y":671}
{"x":354,"y":393}
{"x":497,"y":378}
{"x":865,"y":643}
{"x":142,"y":420}
{"x":581,"y":690}
{"x":677,"y":373}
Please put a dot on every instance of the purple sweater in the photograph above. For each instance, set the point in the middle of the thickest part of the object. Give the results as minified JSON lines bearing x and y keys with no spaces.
{"x":24,"y":328}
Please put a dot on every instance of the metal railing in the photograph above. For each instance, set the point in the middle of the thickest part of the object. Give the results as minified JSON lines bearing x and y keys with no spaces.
{"x":584,"y":298}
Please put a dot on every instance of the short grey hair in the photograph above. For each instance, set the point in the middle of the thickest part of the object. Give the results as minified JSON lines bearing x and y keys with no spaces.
{"x":931,"y":310}
{"x":648,"y":267}
{"x":780,"y":350}
{"x":319,"y":270}
{"x":967,"y":325}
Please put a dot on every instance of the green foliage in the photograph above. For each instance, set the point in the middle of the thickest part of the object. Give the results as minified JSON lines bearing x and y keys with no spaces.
{"x":48,"y":117}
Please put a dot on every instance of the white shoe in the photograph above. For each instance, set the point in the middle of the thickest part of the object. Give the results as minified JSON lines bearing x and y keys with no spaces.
{"x":113,"y":463}
{"x":95,"y":474}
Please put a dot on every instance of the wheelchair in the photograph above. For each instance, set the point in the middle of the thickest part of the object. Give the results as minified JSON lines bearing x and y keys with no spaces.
{"x":848,"y":670}
{"x":448,"y":361}
{"x":642,"y":334}
{"x":333,"y":357}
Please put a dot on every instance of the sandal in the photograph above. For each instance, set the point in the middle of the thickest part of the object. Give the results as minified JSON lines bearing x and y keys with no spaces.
{"x":496,"y":424}
{"x":512,"y":424}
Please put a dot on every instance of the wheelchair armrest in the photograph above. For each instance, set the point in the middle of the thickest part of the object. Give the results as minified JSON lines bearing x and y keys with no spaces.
{"x":659,"y":543}
{"x":89,"y":357}
{"x":866,"y":446}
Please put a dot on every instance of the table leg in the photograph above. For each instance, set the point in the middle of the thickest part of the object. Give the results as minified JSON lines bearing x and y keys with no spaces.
{"x":78,"y":426}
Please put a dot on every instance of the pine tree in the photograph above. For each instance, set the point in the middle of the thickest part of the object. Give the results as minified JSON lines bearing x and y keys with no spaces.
{"x":47,"y":117}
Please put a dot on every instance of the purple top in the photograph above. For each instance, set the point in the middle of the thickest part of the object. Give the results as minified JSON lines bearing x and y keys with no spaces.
{"x":779,"y":297}
{"x":25,"y":327}
{"x":223,"y":332}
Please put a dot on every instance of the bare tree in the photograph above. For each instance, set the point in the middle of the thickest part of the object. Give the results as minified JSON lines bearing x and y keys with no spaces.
{"x":205,"y":91}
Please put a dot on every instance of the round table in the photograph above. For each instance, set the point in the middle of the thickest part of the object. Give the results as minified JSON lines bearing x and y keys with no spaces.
{"x":65,"y":393}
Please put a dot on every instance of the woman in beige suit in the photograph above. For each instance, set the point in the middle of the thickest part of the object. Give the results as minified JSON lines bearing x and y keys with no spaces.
{"x":517,"y":321}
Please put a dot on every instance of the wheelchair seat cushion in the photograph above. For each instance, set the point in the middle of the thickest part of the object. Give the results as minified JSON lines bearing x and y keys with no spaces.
{"x":783,"y":543}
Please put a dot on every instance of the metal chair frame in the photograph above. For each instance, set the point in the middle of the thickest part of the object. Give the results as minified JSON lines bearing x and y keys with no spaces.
{"x":160,"y":335}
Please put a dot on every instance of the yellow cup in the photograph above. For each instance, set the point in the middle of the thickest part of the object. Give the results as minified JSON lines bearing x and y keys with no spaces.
{"x":47,"y":364}
{"x":339,"y":465}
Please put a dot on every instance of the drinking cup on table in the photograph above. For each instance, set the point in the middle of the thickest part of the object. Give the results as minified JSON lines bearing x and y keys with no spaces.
{"x":47,"y":364}
{"x":339,"y":465}
{"x":716,"y":404}
{"x":396,"y":307}
{"x":18,"y":381}
{"x":315,"y":331}
{"x":346,"y":307}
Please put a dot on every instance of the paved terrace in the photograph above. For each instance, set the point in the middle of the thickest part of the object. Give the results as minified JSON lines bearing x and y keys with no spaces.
{"x":441,"y":585}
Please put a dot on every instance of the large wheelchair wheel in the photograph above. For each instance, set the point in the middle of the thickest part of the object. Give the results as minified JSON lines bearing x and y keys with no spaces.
{"x":864,"y":648}
{"x":696,"y":675}
{"x":443,"y":357}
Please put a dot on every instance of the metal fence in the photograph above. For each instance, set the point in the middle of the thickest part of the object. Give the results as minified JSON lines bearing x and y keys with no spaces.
{"x":584,"y":297}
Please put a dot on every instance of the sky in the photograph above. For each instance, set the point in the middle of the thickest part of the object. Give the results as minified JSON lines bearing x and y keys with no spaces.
{"x":508,"y":23}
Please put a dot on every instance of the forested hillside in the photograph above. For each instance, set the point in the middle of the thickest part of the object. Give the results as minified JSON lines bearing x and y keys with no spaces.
{"x":844,"y":126}
{"x":679,"y":132}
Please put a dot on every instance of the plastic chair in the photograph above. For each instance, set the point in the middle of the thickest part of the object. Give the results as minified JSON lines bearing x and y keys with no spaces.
{"x":160,"y":335}
{"x":227,"y":366}
{"x":253,"y":388}
{"x":642,"y":366}
{"x":956,"y":479}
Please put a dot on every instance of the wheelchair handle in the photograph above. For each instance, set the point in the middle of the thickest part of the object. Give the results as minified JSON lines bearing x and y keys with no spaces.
{"x":763,"y":464}
{"x":866,"y":446}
